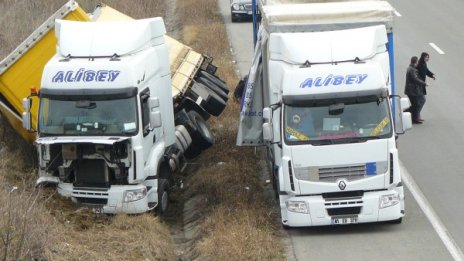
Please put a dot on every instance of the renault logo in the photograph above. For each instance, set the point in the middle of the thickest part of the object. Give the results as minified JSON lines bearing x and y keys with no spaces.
{"x":342,"y":185}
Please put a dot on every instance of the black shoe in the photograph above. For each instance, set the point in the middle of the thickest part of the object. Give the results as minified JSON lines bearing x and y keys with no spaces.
{"x":416,"y":122}
{"x":421,"y":120}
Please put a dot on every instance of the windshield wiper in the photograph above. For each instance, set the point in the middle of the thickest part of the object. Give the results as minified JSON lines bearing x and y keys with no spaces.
{"x":322,"y":142}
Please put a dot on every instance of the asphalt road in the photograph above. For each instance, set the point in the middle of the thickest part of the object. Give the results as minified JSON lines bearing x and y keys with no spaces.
{"x":430,"y":152}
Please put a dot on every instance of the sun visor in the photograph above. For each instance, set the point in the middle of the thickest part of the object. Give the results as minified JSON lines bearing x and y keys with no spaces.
{"x":298,"y":16}
{"x":331,"y":46}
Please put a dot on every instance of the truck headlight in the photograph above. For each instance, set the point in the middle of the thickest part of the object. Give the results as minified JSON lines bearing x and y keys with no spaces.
{"x":389,"y":200}
{"x":235,"y":6}
{"x":134,"y":195}
{"x":297,"y":206}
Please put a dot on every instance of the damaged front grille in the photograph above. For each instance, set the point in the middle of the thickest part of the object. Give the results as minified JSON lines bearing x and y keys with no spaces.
{"x":92,"y":173}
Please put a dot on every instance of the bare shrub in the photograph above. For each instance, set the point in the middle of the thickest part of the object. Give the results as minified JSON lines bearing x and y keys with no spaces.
{"x":24,"y":224}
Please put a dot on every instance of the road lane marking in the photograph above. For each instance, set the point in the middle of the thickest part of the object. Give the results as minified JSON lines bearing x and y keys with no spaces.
{"x":397,"y":13}
{"x":434,"y":46}
{"x":433,"y":218}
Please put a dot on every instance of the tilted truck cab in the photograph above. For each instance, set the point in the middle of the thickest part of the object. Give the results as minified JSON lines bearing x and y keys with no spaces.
{"x":116,"y":112}
{"x":330,"y":119}
{"x":105,"y":115}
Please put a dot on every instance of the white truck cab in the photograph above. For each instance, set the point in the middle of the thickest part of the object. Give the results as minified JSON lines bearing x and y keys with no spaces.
{"x":330,"y":120}
{"x":106,"y":121}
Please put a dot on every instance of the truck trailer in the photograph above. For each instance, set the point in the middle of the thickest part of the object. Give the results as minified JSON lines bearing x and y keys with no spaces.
{"x":113,"y":105}
{"x":321,"y":99}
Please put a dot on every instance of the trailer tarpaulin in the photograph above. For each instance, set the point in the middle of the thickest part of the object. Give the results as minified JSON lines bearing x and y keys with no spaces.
{"x":251,"y":107}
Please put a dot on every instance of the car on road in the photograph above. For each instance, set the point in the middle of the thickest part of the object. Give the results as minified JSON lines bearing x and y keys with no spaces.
{"x":240,"y":10}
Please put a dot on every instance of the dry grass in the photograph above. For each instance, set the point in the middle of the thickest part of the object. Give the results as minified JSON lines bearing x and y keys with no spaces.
{"x":238,"y":221}
{"x":238,"y":234}
{"x":140,"y":237}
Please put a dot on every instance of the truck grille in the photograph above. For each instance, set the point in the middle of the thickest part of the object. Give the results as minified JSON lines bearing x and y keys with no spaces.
{"x":92,"y":201}
{"x":248,"y":7}
{"x":343,"y":211}
{"x":91,"y":196}
{"x":92,"y":173}
{"x":343,"y":203}
{"x":347,"y":172}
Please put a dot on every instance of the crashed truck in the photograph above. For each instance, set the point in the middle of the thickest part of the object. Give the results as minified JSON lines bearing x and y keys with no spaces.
{"x":114,"y":106}
{"x":321,"y":99}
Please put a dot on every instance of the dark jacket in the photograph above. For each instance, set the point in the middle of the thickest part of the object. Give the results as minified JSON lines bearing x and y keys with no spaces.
{"x":423,"y":72}
{"x":414,"y":85}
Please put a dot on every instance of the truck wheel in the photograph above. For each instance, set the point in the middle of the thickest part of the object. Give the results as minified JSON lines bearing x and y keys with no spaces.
{"x":188,"y":104}
{"x":202,"y":138}
{"x":210,"y":101}
{"x":275,"y":187}
{"x":215,"y":105}
{"x":215,"y":80}
{"x":163,"y":197}
{"x":213,"y":87}
{"x":192,"y":152}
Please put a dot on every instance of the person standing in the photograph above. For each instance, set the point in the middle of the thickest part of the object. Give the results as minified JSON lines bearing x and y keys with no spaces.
{"x":423,"y":71}
{"x":415,"y":90}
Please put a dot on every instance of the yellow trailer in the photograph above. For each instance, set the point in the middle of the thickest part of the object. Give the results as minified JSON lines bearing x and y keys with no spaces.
{"x":22,"y":69}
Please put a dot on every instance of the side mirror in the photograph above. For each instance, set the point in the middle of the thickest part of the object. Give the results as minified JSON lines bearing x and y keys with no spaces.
{"x":155,"y":114}
{"x":155,"y":119}
{"x":405,"y":103}
{"x":267,"y":115}
{"x":153,"y":103}
{"x":27,"y":103}
{"x":402,"y":118}
{"x":268,"y":134}
{"x":407,"y":120}
{"x":26,"y":116}
{"x":27,"y":123}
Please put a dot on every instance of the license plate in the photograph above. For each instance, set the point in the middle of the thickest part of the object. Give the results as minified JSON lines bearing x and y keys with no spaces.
{"x":344,"y":220}
{"x":97,"y":210}
{"x":250,"y":12}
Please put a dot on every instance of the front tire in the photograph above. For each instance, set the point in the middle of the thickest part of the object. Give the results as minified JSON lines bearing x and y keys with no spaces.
{"x":163,"y":197}
{"x":396,"y":221}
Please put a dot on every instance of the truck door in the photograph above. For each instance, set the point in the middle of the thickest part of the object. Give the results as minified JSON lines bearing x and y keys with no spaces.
{"x":149,"y":134}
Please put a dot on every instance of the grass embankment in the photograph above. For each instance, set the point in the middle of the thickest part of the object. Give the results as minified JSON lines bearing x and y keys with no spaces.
{"x":237,"y":222}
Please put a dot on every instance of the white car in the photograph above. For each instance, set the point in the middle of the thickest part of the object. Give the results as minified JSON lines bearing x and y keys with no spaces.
{"x":240,"y":9}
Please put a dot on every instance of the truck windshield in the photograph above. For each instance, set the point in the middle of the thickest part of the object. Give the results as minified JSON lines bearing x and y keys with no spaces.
{"x":335,"y":123}
{"x":88,"y":117}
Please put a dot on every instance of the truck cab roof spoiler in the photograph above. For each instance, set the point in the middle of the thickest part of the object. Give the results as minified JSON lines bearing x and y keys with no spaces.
{"x":299,"y":16}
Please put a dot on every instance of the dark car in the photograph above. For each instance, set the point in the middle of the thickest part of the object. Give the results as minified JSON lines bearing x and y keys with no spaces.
{"x":240,"y":10}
